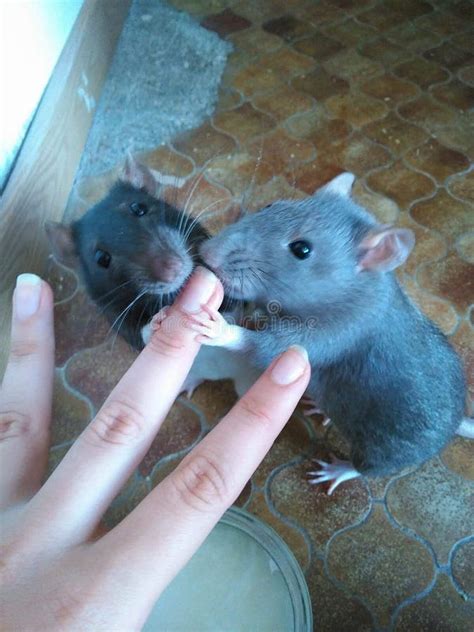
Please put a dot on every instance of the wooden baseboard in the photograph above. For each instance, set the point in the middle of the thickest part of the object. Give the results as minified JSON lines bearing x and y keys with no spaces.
{"x":41,"y":181}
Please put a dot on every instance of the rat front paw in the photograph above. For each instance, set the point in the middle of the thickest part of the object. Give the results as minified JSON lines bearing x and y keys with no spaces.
{"x":337,"y":471}
{"x":214,"y":330}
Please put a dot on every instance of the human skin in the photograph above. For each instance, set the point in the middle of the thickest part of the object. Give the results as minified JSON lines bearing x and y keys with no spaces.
{"x":58,"y":569}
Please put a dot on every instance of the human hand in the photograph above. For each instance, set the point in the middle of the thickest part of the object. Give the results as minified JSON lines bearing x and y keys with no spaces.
{"x":56,"y":571}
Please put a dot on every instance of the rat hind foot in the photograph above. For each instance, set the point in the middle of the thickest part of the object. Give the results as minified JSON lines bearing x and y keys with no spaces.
{"x":337,"y":471}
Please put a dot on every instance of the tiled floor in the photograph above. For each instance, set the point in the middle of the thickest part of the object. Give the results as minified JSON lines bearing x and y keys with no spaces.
{"x":386,"y":90}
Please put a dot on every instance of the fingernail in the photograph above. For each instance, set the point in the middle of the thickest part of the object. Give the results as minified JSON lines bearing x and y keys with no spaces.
{"x":198,"y":291}
{"x":290,"y":366}
{"x":27,"y":295}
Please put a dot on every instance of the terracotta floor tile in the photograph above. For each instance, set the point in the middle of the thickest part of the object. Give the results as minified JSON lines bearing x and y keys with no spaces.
{"x":239,"y":173}
{"x":435,"y":503}
{"x":352,"y":67}
{"x":320,"y":85}
{"x":439,"y":311}
{"x":304,"y":125}
{"x":263,"y":11}
{"x":278,"y":188}
{"x":283,"y":103}
{"x":312,"y":176}
{"x":442,"y":23}
{"x":465,"y":247}
{"x":255,"y":79}
{"x":458,"y":456}
{"x":293,"y":537}
{"x":437,"y":160}
{"x":294,"y":441}
{"x":422,"y":72}
{"x":70,"y":414}
{"x":462,"y":9}
{"x":427,"y":112}
{"x":321,"y":13}
{"x":225,"y":23}
{"x":215,"y":222}
{"x":334,"y":609}
{"x":287,"y":63}
{"x":463,"y":186}
{"x":94,"y":372}
{"x":389,"y":88}
{"x":288,"y":27}
{"x":411,"y":37}
{"x":467,"y":75}
{"x":198,"y":196}
{"x":77,"y":326}
{"x":126,"y":502}
{"x":459,"y":134}
{"x":381,"y":17}
{"x":379,"y":563}
{"x":229,"y":99}
{"x":357,"y":154}
{"x":310,"y":506}
{"x":429,"y":245}
{"x":214,"y":399}
{"x":353,"y":5}
{"x":204,"y":143}
{"x":355,"y":108}
{"x":318,"y":46}
{"x":452,"y":279}
{"x":179,"y":431}
{"x":409,"y":8}
{"x":443,"y":608}
{"x":244,"y":122}
{"x":455,"y":93}
{"x":463,"y":342}
{"x":55,"y":456}
{"x":383,"y":208}
{"x":168,"y":162}
{"x":396,"y":134}
{"x":445,"y":214}
{"x":383,"y":51}
{"x":449,"y":56}
{"x":256,"y":41}
{"x":349,"y":32}
{"x":463,"y":567}
{"x":463,"y":40}
{"x":401,"y":184}
{"x":280,"y":151}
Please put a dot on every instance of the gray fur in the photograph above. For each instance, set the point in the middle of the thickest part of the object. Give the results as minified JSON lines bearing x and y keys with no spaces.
{"x":384,"y":374}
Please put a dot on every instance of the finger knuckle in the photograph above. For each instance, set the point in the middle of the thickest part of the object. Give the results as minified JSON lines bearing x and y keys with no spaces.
{"x":166,"y":341}
{"x":200,"y":482}
{"x":21,"y":349}
{"x":119,"y":422}
{"x":13,"y":424}
{"x":254,"y":413}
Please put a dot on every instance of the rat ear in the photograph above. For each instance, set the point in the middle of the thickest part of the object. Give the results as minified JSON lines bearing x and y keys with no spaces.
{"x":340,"y":185}
{"x":385,"y":248}
{"x":138,"y":175}
{"x":62,"y":242}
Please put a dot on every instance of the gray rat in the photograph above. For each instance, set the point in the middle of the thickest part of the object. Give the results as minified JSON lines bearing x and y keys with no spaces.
{"x":385,"y":375}
{"x":135,"y":252}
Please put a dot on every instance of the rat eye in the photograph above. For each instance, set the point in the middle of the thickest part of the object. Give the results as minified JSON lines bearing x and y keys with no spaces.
{"x":102,"y":258}
{"x":301,"y":249}
{"x":138,"y":208}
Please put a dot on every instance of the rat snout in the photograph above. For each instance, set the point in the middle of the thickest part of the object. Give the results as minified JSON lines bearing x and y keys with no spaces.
{"x":210,"y":255}
{"x":166,"y":268}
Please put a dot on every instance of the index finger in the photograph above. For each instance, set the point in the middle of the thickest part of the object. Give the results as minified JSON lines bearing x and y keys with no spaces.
{"x":101,"y":460}
{"x":169,"y":525}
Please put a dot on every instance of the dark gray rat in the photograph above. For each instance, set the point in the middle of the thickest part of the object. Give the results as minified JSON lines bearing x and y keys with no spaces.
{"x":322,"y":267}
{"x":134,"y":250}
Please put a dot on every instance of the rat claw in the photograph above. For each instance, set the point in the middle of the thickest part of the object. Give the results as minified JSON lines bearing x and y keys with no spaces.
{"x":337,"y":471}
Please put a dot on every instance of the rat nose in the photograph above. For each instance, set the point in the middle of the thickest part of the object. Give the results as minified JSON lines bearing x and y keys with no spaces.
{"x":166,"y":268}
